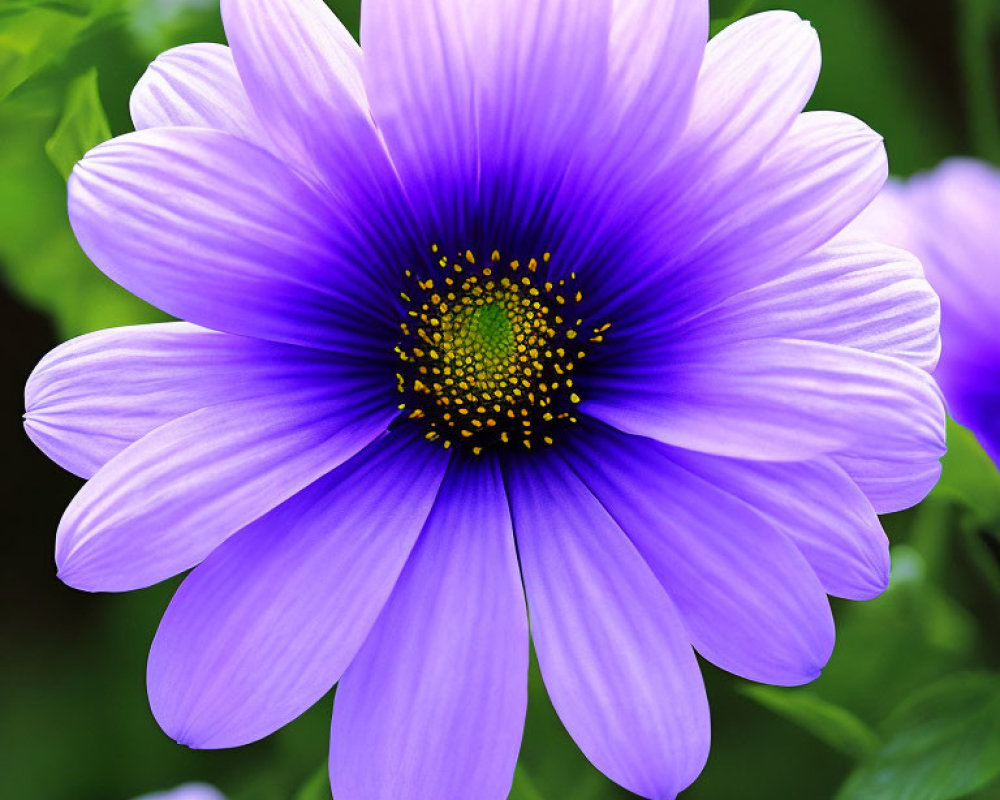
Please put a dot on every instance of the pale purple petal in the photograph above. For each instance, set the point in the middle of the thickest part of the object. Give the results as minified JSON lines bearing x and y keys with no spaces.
{"x":776,"y":400}
{"x":302,"y":71}
{"x":749,"y":599}
{"x":853,"y":293}
{"x":219,"y":232}
{"x":756,"y":77}
{"x":815,"y":181}
{"x":892,"y":483}
{"x":483,"y":104}
{"x":812,"y":183}
{"x":955,"y":235}
{"x":268,"y":623}
{"x":420,"y":82}
{"x":188,"y":791}
{"x":887,"y":218}
{"x":93,"y":396}
{"x":195,"y":85}
{"x":164,"y":503}
{"x":808,"y":188}
{"x":947,"y":217}
{"x":819,"y":508}
{"x":613,"y":650}
{"x":655,"y":53}
{"x":433,"y":705}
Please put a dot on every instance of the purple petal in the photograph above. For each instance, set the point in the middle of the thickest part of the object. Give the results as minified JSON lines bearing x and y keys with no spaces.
{"x":756,"y":77}
{"x":892,"y":483}
{"x":948,"y":220}
{"x":956,"y":237}
{"x":493,"y":96}
{"x":813,"y":183}
{"x":164,"y":503}
{"x":189,"y":791}
{"x":613,"y":651}
{"x":302,"y":71}
{"x":195,"y":85}
{"x":853,"y":293}
{"x":264,"y":628}
{"x":655,"y":53}
{"x":92,"y":397}
{"x":219,"y":232}
{"x":887,"y":218}
{"x":655,"y":50}
{"x":816,"y":505}
{"x":751,"y":602}
{"x":936,"y":217}
{"x":776,"y":400}
{"x":970,"y":378}
{"x":433,"y":705}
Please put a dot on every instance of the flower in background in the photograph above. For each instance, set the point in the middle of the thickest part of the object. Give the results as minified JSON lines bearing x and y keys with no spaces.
{"x":189,"y":791}
{"x":542,"y":300}
{"x":948,"y":218}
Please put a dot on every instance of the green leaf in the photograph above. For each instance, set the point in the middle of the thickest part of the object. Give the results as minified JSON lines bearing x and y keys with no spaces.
{"x":941,"y":744}
{"x":30,"y":38}
{"x":83,"y":124}
{"x":830,"y":723}
{"x":969,"y":476}
{"x":39,"y":258}
{"x":36,"y":33}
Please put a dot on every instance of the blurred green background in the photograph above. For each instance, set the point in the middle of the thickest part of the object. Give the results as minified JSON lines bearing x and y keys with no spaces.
{"x":909,"y":707}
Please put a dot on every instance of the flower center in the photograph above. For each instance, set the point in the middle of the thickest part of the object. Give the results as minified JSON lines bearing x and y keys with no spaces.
{"x":489,"y":353}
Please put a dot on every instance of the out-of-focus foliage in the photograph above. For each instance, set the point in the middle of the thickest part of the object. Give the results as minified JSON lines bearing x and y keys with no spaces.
{"x":51,"y":59}
{"x":978,"y":20}
{"x":908,"y":707}
{"x":317,"y":787}
{"x":830,"y":723}
{"x":524,"y":788}
{"x":83,"y":124}
{"x":36,"y":33}
{"x":941,"y":744}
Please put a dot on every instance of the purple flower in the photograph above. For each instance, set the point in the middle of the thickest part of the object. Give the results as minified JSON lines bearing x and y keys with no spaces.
{"x":189,"y":791}
{"x":948,"y":219}
{"x":546,"y":300}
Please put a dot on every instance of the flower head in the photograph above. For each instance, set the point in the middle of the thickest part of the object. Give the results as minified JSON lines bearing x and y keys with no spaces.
{"x":543,"y":301}
{"x":947,"y":218}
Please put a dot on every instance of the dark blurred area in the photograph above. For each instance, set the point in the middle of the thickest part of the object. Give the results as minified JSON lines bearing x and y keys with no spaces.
{"x":74,"y":723}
